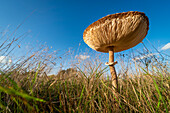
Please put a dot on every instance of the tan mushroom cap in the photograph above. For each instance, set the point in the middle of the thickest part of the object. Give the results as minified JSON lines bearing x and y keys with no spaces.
{"x":121,"y":30}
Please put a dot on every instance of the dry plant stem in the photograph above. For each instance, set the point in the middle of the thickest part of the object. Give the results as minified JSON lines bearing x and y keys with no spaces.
{"x":113,"y":72}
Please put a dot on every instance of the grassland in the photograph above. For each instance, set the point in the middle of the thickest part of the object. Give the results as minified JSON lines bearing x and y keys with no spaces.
{"x":26,"y":87}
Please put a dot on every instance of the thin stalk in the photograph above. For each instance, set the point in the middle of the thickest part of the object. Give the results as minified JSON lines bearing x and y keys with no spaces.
{"x":113,"y":71}
{"x":114,"y":78}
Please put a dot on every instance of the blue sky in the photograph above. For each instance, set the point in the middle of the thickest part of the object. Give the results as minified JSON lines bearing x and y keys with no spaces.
{"x":61,"y":23}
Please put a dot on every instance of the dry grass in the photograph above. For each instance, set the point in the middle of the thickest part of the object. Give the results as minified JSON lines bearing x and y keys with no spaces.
{"x":25,"y":86}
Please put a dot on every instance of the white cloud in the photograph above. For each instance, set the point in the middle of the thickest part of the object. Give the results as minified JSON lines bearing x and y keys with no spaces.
{"x":167,"y":46}
{"x":5,"y":60}
{"x":82,"y":57}
{"x":143,"y":57}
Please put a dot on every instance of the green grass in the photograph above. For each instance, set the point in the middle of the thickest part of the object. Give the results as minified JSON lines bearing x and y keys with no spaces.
{"x":25,"y":87}
{"x":84,"y":93}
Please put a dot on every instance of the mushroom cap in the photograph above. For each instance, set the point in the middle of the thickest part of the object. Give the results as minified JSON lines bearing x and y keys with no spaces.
{"x":121,"y":30}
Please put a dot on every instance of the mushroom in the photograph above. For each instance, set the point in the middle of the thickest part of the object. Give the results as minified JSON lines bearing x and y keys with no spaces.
{"x":116,"y":33}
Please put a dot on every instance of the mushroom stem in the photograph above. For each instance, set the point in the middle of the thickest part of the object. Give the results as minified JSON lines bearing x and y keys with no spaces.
{"x":113,"y":72}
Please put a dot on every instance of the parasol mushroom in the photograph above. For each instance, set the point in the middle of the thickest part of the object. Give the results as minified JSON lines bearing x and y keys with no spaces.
{"x":116,"y":33}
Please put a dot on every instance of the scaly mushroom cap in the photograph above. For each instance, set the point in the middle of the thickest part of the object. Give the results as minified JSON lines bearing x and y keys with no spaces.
{"x":121,"y":30}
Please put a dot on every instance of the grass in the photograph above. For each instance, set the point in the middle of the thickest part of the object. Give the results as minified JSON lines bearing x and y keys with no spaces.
{"x":84,"y":93}
{"x":25,"y":87}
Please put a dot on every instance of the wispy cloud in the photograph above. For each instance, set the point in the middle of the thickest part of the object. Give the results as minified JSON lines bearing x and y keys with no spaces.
{"x":143,"y":57}
{"x":82,"y":57}
{"x":5,"y":59}
{"x":165,"y":47}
